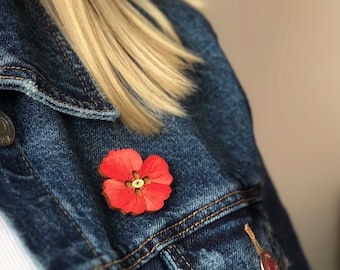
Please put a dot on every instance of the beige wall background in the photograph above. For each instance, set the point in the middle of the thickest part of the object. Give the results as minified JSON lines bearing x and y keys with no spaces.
{"x":287,"y":57}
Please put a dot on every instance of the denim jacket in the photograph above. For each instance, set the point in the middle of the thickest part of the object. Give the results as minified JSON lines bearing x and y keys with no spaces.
{"x":50,"y":187}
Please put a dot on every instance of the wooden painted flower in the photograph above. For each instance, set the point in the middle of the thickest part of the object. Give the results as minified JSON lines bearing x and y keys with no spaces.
{"x":133,"y":186}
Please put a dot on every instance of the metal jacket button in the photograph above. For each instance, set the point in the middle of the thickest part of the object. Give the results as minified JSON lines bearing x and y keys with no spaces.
{"x":7,"y":131}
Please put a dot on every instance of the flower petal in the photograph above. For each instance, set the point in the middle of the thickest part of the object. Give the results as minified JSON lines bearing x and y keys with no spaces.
{"x":116,"y":193}
{"x":157,"y":170}
{"x":136,"y":206}
{"x":119,"y":164}
{"x":154,"y":195}
{"x":118,"y":196}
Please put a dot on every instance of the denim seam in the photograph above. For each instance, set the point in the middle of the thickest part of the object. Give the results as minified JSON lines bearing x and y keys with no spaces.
{"x":184,"y":220}
{"x":173,"y":256}
{"x":40,"y":77}
{"x":56,"y":201}
{"x":49,"y":95}
{"x":107,"y":265}
{"x":189,"y":229}
{"x":182,"y":257}
{"x":68,"y":60}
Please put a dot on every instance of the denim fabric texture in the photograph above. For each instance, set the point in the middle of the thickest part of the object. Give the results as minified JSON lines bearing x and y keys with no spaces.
{"x":49,"y":182}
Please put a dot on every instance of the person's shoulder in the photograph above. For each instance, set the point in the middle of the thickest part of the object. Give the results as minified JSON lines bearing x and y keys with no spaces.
{"x":181,"y":11}
{"x":190,"y":23}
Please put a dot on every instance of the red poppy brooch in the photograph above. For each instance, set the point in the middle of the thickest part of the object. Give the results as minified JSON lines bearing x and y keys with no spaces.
{"x":133,"y":186}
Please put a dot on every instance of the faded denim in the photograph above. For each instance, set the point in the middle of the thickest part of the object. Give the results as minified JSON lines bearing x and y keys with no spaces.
{"x":50,"y":187}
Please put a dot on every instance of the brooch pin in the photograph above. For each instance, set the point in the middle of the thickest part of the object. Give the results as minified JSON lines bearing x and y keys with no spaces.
{"x":133,"y":186}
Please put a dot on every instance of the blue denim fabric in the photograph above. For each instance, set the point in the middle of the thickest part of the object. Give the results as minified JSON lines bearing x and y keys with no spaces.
{"x":50,"y":186}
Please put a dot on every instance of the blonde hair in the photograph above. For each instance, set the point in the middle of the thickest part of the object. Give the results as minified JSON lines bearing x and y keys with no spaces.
{"x":140,"y":66}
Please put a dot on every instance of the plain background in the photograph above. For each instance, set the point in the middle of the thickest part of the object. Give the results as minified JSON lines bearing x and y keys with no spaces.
{"x":287,"y":56}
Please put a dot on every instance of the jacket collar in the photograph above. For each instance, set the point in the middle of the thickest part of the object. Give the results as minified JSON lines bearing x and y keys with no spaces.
{"x":36,"y":60}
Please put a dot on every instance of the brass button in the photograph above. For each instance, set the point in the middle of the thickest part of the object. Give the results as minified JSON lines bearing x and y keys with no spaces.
{"x":7,"y":130}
